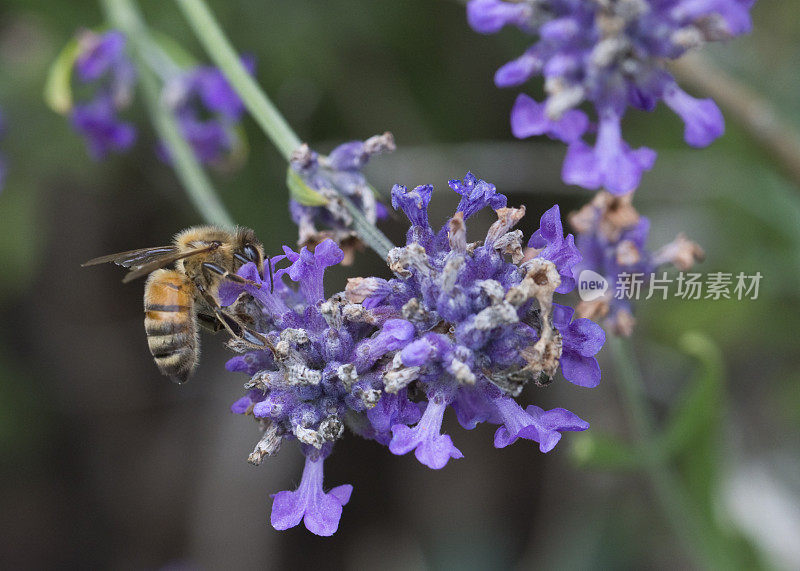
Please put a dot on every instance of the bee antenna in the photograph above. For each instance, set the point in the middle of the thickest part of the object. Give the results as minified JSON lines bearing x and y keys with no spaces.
{"x":271,"y":280}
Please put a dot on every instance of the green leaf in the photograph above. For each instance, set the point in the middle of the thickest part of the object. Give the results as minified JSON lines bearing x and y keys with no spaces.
{"x":57,"y":89}
{"x":700,"y":408}
{"x":603,"y":452}
{"x":301,"y":192}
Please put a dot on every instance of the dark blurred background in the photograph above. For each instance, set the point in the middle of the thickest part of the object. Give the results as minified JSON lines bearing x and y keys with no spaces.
{"x":105,"y":463}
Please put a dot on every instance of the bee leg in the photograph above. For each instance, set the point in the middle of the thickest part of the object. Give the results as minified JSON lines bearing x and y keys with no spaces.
{"x":209,"y":322}
{"x":234,"y":325}
{"x":208,"y":266}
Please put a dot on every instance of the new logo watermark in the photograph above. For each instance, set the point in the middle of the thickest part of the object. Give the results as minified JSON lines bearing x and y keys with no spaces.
{"x":591,"y":285}
{"x":685,"y":285}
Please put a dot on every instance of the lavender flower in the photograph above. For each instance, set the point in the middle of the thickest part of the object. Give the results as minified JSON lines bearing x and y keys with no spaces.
{"x":207,"y":109}
{"x":612,"y":236}
{"x":320,"y":511}
{"x":461,"y":325}
{"x":321,"y":371}
{"x":104,"y":133}
{"x":483,"y":323}
{"x":324,"y":180}
{"x":105,"y":68}
{"x":611,"y":54}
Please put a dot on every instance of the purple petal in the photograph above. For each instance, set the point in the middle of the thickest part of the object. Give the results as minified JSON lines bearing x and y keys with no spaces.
{"x":241,"y":405}
{"x":611,"y":163}
{"x":97,"y":122}
{"x":528,"y":118}
{"x":321,"y":512}
{"x":414,"y":203}
{"x":551,"y":231}
{"x":702,"y":117}
{"x":342,"y":493}
{"x":324,"y":512}
{"x":580,"y":370}
{"x":489,"y":16}
{"x":518,"y":71}
{"x":533,"y":423}
{"x":585,"y":336}
{"x":580,"y":166}
{"x":308,"y":269}
{"x":216,"y":92}
{"x":431,"y":448}
{"x":210,"y":139}
{"x":392,"y":410}
{"x":395,"y":333}
{"x":560,"y":29}
{"x":474,"y":405}
{"x":287,"y":510}
{"x":99,"y":53}
{"x":476,"y":195}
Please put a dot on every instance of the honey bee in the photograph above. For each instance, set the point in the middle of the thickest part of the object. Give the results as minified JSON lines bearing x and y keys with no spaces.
{"x":176,"y":301}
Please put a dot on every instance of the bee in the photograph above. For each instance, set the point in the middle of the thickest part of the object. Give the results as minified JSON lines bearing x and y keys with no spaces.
{"x":177,"y":300}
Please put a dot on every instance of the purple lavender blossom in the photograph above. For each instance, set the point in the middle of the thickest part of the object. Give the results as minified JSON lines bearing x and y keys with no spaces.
{"x":208,"y":111}
{"x":612,"y":55}
{"x":329,"y":178}
{"x":104,"y":133}
{"x":319,"y":511}
{"x":612,"y":236}
{"x":581,"y":339}
{"x":101,"y":55}
{"x":533,"y":423}
{"x":322,"y":370}
{"x":549,"y":239}
{"x":103,"y":65}
{"x":484,"y":322}
{"x":430,"y":446}
{"x":461,"y":325}
{"x":476,"y":195}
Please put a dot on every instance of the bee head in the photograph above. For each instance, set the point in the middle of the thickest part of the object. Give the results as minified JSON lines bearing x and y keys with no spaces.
{"x":249,"y":249}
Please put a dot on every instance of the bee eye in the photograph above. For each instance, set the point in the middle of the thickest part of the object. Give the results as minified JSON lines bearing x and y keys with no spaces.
{"x":250,"y":253}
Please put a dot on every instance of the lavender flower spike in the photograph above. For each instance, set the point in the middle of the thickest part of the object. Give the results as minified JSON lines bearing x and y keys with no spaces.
{"x":320,"y":512}
{"x":320,"y":373}
{"x":208,"y":111}
{"x":461,"y":325}
{"x":104,"y":133}
{"x":484,"y":322}
{"x":103,"y":64}
{"x":612,"y":55}
{"x":326,"y":179}
{"x":612,"y":237}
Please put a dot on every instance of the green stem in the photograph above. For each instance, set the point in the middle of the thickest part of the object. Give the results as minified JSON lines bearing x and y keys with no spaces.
{"x":687,"y":522}
{"x":227,"y":59}
{"x":369,"y":233}
{"x":267,"y":116}
{"x":124,"y":15}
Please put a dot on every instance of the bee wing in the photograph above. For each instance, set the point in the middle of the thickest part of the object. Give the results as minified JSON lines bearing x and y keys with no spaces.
{"x":145,"y":268}
{"x":132,"y":257}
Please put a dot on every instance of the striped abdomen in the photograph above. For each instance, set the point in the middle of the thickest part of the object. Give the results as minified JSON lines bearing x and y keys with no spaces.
{"x":171,"y":324}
